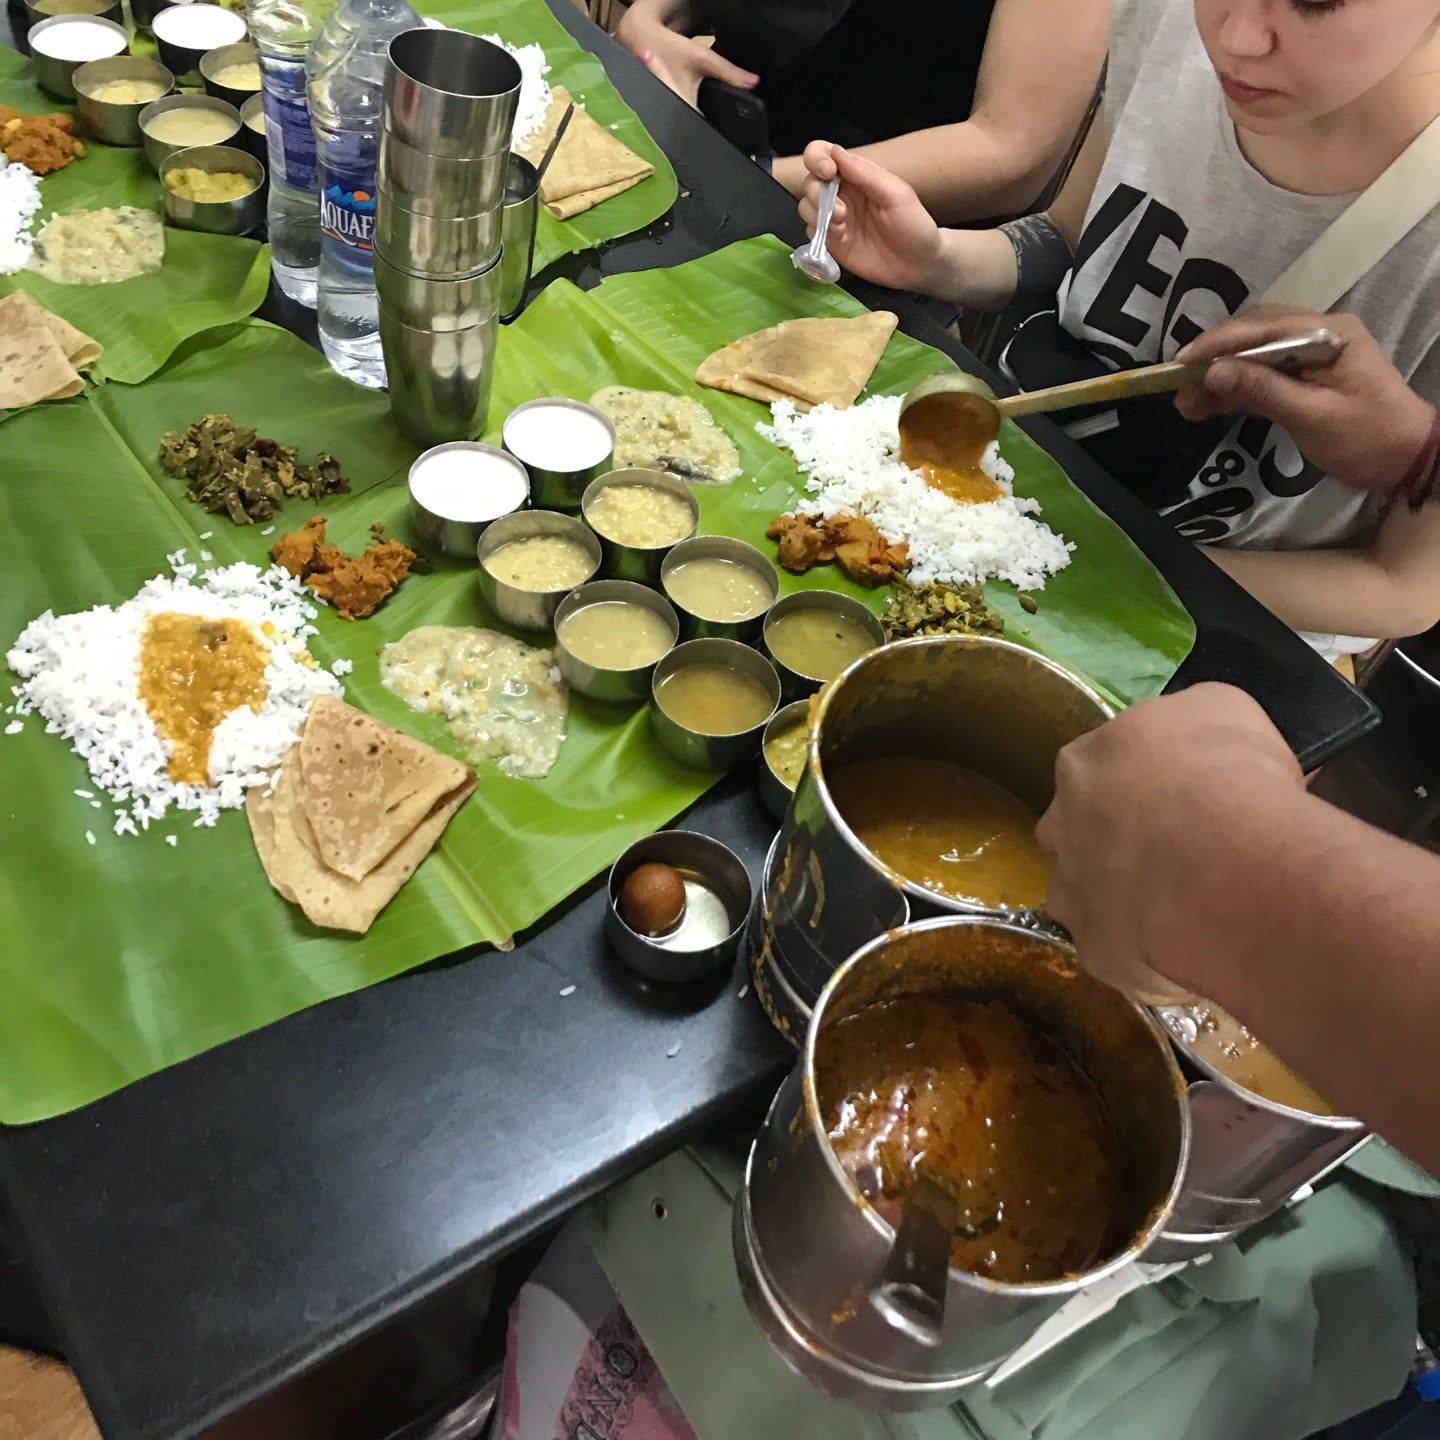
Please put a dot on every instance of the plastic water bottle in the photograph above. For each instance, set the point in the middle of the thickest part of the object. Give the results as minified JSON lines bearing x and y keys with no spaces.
{"x":282,"y":31}
{"x":346,"y":70}
{"x":1425,"y":1373}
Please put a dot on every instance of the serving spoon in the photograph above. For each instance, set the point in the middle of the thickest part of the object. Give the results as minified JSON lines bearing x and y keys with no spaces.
{"x":814,"y":260}
{"x":910,"y":1293}
{"x":948,"y":420}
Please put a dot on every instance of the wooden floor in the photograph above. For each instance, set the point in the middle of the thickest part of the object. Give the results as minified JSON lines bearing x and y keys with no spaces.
{"x":39,"y":1400}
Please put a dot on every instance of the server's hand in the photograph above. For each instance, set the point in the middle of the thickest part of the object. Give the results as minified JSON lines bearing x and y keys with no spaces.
{"x":1147,"y":811}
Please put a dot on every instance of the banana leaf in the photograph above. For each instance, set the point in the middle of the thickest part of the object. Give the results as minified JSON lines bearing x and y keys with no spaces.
{"x":529,"y":22}
{"x":1110,"y":616}
{"x":127,"y":955}
{"x":206,"y":280}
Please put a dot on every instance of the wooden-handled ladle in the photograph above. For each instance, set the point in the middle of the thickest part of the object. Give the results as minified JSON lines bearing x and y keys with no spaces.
{"x":948,"y":420}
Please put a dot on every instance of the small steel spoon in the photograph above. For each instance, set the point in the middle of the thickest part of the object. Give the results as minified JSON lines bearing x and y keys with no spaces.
{"x":971,"y":403}
{"x":814,"y":259}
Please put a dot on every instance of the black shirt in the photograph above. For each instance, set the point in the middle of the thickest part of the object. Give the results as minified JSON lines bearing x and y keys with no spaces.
{"x":855,"y":71}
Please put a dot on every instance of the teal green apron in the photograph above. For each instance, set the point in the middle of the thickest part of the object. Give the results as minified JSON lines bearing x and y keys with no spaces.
{"x":1305,"y":1322}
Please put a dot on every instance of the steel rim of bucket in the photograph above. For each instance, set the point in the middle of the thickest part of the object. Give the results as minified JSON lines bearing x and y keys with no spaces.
{"x":1337,"y":1123}
{"x":909,"y":888}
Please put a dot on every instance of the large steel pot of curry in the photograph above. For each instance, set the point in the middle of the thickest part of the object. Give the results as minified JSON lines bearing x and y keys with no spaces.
{"x":975,"y":1050}
{"x":1261,"y":1135}
{"x":929,"y":762}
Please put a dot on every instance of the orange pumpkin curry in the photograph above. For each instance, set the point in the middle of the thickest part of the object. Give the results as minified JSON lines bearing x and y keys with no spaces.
{"x":944,"y":828}
{"x":945,"y":436}
{"x":991,"y":1108}
{"x":193,"y":672}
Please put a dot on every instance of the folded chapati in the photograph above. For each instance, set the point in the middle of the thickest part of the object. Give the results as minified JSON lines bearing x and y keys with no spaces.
{"x":367,"y":786}
{"x":33,"y":368}
{"x":351,"y":787}
{"x":19,"y":310}
{"x":591,"y":165}
{"x":41,"y":355}
{"x":807,"y":361}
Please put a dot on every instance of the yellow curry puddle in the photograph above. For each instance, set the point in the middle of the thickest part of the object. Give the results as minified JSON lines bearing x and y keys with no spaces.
{"x":194,"y":671}
{"x":944,"y":437}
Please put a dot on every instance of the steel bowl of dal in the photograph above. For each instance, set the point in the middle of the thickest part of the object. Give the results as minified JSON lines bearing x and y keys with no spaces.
{"x":238,"y":179}
{"x":112,"y":94}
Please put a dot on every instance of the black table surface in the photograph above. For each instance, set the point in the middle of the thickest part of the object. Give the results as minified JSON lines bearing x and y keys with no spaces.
{"x":208,"y":1234}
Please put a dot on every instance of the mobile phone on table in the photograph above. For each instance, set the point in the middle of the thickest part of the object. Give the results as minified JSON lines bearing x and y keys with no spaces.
{"x":739,"y":115}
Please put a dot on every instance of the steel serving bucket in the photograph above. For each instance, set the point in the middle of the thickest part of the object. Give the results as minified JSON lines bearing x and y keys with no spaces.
{"x":987,"y":704}
{"x":787,"y":966}
{"x":1249,"y":1157}
{"x":811,"y":1251}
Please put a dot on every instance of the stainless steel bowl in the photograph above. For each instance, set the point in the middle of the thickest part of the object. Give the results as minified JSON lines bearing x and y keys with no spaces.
{"x":38,"y":11}
{"x":216,"y":217}
{"x":775,"y":794}
{"x":531,"y":609}
{"x":184,"y":56}
{"x":700,"y":861}
{"x":719,"y":547}
{"x":695,"y":748}
{"x":640,"y":563}
{"x":987,"y":704}
{"x":249,"y":138}
{"x":429,"y":302}
{"x":159,"y":151}
{"x":796,"y":682}
{"x":213,"y":61}
{"x":603,"y":682}
{"x":444,"y":186}
{"x":558,"y":489}
{"x":110,"y":121}
{"x":56,"y":76}
{"x":451,"y":93}
{"x":443,"y":534}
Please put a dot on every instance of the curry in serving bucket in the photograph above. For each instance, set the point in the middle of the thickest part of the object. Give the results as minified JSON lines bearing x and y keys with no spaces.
{"x":1045,"y":1102}
{"x":936,"y":759}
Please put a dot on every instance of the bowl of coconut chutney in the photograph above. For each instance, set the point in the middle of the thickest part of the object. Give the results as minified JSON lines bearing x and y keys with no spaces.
{"x":458,"y":490}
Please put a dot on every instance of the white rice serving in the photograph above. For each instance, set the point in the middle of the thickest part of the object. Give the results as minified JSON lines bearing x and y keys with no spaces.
{"x":534,"y":88}
{"x":851,"y":460}
{"x":81,"y":674}
{"x":19,"y":204}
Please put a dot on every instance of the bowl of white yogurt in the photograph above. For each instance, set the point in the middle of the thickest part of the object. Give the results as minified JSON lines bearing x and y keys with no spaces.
{"x":563,"y":444}
{"x":457,"y":490}
{"x":60,"y":46}
{"x":185,"y":33}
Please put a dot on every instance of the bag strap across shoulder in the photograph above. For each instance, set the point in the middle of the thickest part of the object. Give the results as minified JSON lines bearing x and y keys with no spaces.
{"x":1367,"y":230}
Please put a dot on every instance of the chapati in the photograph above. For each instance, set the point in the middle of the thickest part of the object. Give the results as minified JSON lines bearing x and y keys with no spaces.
{"x":368,"y":785}
{"x":808,"y":361}
{"x":590,"y":166}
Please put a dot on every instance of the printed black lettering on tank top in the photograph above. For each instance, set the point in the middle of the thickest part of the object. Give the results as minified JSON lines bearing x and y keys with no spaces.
{"x":1152,"y":260}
